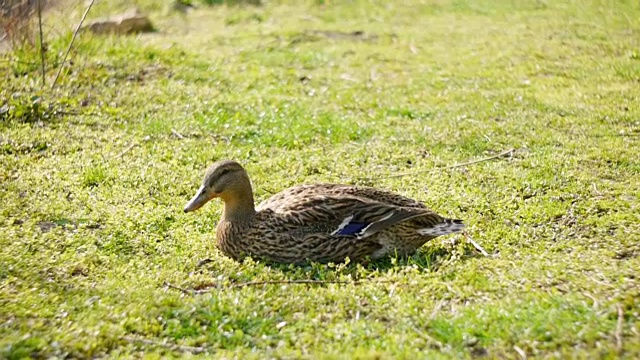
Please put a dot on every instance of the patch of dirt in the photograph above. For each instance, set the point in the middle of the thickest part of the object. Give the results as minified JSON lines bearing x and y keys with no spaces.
{"x":46,"y":226}
{"x":626,"y":254}
{"x":316,"y":35}
{"x":341,"y":35}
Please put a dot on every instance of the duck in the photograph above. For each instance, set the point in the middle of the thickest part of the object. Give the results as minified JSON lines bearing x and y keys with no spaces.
{"x":324,"y":223}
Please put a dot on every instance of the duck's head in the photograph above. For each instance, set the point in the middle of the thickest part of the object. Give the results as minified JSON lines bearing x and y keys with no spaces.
{"x":227,"y":180}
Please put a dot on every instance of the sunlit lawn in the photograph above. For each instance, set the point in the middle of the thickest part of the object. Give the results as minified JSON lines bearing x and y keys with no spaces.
{"x":385,"y":94}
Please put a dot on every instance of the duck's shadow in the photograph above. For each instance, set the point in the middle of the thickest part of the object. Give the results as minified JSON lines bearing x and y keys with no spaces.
{"x":430,"y":258}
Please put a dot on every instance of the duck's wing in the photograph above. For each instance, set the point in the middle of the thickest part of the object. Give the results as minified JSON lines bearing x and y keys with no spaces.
{"x":347,"y":215}
{"x":280,"y":201}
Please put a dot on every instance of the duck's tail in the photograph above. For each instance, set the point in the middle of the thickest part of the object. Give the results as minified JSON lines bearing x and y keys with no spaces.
{"x":447,"y":226}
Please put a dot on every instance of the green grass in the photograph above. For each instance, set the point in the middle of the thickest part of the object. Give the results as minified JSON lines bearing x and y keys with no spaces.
{"x":93,"y":180}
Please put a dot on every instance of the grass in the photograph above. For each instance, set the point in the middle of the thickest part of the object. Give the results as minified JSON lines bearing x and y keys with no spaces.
{"x":94,"y":180}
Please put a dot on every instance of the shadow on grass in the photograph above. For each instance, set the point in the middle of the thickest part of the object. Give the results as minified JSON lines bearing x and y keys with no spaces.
{"x":428,"y":259}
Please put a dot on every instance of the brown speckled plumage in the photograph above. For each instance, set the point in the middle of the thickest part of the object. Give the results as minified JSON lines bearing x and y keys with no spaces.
{"x":321,"y":222}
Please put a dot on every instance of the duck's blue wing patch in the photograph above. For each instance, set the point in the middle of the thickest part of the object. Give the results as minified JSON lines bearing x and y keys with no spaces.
{"x":370,"y":219}
{"x":352,"y":228}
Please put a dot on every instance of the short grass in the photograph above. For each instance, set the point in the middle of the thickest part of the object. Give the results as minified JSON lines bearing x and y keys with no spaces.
{"x":94,"y":179}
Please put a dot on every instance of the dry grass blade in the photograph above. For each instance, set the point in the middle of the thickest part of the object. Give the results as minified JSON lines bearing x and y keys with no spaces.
{"x":619,"y":329}
{"x":181,"y":289}
{"x":428,"y":338}
{"x":42,"y":61}
{"x":521,"y":353}
{"x":475,"y":244}
{"x":130,"y":147}
{"x":73,"y":39}
{"x":436,"y":309}
{"x":272,"y":282}
{"x":177,"y":134}
{"x":267,"y":282}
{"x":164,"y":344}
{"x":502,"y":154}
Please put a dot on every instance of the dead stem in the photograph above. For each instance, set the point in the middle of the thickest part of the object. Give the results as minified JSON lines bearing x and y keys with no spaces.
{"x":165,"y":344}
{"x":475,"y":244}
{"x":502,"y":154}
{"x":267,"y":282}
{"x":75,"y":34}
{"x":619,"y":329}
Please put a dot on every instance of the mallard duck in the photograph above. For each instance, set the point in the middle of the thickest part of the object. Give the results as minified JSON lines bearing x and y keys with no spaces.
{"x":320,"y":222}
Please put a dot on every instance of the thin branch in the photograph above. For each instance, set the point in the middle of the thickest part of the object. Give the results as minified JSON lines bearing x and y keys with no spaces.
{"x":593,"y":299}
{"x":436,"y":309}
{"x":267,"y":282}
{"x":413,"y":49}
{"x":75,"y":34}
{"x":165,"y":344}
{"x":146,"y":138}
{"x":600,"y":282}
{"x":177,"y":134}
{"x":430,"y":340}
{"x":129,"y":148}
{"x":75,"y":113}
{"x":42,"y":64}
{"x":27,"y":62}
{"x":502,"y":154}
{"x":272,"y":282}
{"x":268,"y":191}
{"x":475,"y":244}
{"x":175,"y":287}
{"x":523,"y":355}
{"x":203,"y":262}
{"x":619,"y":329}
{"x":617,"y":135}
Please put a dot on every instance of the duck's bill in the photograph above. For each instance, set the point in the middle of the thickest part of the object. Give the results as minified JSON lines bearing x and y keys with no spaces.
{"x":198,"y":200}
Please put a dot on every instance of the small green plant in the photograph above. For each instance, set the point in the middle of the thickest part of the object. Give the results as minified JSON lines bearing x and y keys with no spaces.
{"x":232,"y":2}
{"x":23,"y":108}
{"x":95,"y":176}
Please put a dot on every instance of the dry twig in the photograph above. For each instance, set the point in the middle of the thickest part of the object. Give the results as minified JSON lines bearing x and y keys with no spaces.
{"x":267,"y":282}
{"x":436,"y":309}
{"x":165,"y":344}
{"x":430,"y":340}
{"x":126,"y":150}
{"x":502,"y":154}
{"x":75,"y":34}
{"x":619,"y":329}
{"x":593,"y":299}
{"x":26,"y":62}
{"x":181,"y":289}
{"x":146,"y":138}
{"x":523,"y":355}
{"x":617,"y":135}
{"x":177,"y":134}
{"x":272,"y":282}
{"x":475,"y":244}
{"x":42,"y":65}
